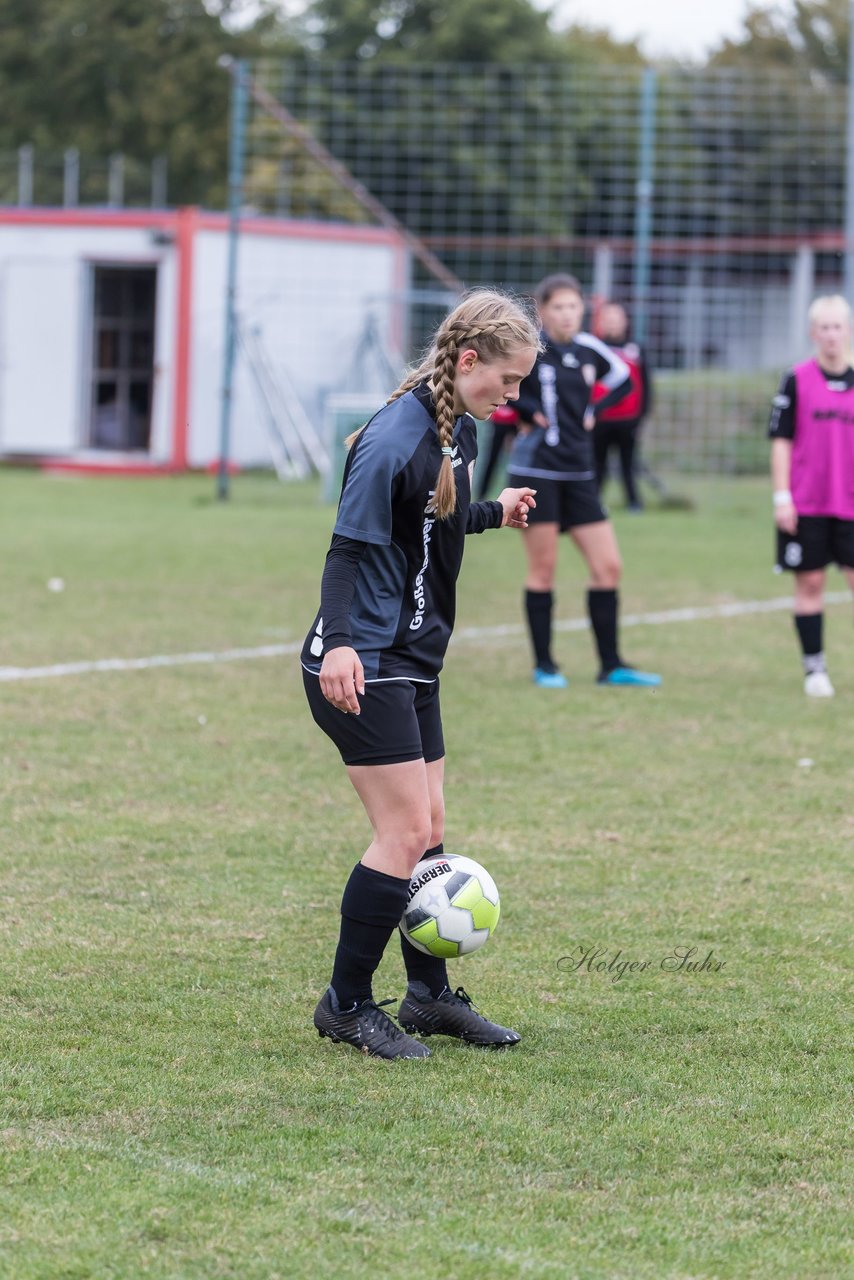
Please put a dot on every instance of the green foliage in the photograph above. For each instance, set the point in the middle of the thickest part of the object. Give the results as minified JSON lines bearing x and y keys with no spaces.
{"x":431,"y":31}
{"x":141,"y":77}
{"x":809,"y":35}
{"x":132,"y":76}
{"x":596,"y":47}
{"x":394,"y":66}
{"x":486,"y":140}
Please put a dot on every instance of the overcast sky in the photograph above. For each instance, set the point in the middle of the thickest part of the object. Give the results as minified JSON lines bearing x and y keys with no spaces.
{"x":686,"y":28}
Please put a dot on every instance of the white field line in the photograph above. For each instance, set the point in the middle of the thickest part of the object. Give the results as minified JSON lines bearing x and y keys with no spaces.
{"x":143,"y":664}
{"x":127,"y":1151}
{"x":467,"y":635}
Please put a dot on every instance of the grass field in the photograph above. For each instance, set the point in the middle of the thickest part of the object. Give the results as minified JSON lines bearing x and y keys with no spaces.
{"x":175,"y":841}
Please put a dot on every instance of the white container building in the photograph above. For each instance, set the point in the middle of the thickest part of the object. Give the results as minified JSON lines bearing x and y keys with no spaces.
{"x":112,"y":329}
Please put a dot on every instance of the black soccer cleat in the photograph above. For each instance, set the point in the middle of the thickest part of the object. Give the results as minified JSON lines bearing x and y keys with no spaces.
{"x":451,"y":1014}
{"x":366,"y":1028}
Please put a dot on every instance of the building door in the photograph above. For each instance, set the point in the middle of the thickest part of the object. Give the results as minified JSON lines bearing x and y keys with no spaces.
{"x":122,"y":357}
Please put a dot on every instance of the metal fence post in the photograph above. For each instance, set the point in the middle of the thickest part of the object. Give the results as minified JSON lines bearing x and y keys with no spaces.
{"x":158,"y":182}
{"x":603,"y":272}
{"x":25,"y":174}
{"x":643,"y":205}
{"x":116,"y":181}
{"x":801,"y":291}
{"x":237,"y":68}
{"x":71,"y":178}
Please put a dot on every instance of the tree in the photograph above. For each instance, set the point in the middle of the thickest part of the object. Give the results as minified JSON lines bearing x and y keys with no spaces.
{"x":140,"y":77}
{"x":396,"y":73}
{"x":811,"y":35}
{"x":134,"y":76}
{"x":429,"y":31}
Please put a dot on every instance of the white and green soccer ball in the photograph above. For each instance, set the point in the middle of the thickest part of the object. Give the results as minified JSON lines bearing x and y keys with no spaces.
{"x":453,"y":906}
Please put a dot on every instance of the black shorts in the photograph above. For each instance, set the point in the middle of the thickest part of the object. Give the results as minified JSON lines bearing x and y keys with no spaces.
{"x":820,"y":541}
{"x":567,"y":503}
{"x":399,"y":720}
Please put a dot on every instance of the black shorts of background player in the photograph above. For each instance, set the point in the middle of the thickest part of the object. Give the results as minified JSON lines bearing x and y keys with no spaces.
{"x":554,"y":447}
{"x":618,"y":427}
{"x":812,"y":470}
{"x":372,"y":657}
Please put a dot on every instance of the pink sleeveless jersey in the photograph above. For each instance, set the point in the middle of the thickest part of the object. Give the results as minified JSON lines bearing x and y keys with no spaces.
{"x":822,"y":478}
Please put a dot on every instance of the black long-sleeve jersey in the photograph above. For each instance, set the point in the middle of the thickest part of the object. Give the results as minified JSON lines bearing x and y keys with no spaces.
{"x":559,"y":386}
{"x":389,"y":587}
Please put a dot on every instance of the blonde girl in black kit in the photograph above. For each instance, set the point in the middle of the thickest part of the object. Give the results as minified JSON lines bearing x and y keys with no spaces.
{"x":372,"y":657}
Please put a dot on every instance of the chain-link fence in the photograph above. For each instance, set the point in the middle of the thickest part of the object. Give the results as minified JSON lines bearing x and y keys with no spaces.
{"x":710,"y":202}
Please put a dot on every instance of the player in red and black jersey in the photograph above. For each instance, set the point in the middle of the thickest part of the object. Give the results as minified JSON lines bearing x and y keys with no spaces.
{"x":554,"y":453}
{"x":372,"y":657}
{"x":618,"y":425}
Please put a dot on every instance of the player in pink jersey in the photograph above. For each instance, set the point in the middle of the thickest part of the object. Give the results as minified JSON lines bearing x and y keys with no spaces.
{"x":812,"y":468}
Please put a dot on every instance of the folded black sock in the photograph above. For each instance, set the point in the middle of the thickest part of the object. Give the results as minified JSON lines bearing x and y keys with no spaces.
{"x":603,"y":607}
{"x":810,"y":628}
{"x":538,"y":608}
{"x":371,"y":908}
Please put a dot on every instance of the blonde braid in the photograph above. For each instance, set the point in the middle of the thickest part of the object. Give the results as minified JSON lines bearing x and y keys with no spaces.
{"x":453,"y":336}
{"x":447,"y":350}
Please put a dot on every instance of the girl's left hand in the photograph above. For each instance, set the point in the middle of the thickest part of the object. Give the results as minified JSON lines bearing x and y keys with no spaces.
{"x":589,"y":420}
{"x":516,"y":503}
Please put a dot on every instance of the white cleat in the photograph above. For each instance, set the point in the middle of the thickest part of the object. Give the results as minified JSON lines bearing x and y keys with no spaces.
{"x":817,"y":685}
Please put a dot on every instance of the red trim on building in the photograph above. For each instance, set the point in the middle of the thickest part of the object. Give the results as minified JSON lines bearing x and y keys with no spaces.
{"x":829,"y":241}
{"x":293,"y":229}
{"x":169,"y":220}
{"x":87,"y":218}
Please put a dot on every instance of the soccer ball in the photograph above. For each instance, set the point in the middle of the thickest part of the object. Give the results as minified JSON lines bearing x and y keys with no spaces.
{"x":453,"y":906}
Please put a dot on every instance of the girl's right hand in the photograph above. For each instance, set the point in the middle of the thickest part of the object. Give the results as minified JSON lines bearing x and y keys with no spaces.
{"x":516,"y":503}
{"x":341,"y":678}
{"x":786,"y":518}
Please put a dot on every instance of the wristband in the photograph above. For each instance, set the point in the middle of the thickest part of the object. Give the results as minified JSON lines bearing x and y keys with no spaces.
{"x":782,"y":498}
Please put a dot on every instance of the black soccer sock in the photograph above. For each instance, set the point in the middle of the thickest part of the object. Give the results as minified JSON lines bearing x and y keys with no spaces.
{"x":810,"y":627}
{"x":431,"y":970}
{"x":538,"y":607}
{"x":603,"y":607}
{"x":371,"y":908}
